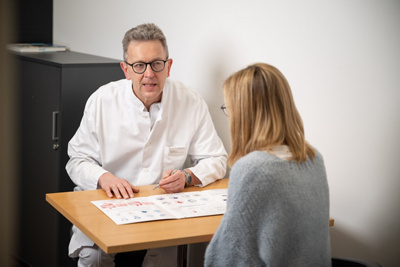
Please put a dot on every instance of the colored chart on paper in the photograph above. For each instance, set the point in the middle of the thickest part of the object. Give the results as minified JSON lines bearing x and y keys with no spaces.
{"x":166,"y":206}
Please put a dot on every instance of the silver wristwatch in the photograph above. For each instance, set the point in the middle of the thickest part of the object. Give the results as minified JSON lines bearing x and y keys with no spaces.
{"x":188,"y":178}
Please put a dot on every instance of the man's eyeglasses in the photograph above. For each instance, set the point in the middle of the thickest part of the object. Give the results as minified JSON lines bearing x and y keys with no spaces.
{"x":225,"y":110}
{"x":140,"y":67}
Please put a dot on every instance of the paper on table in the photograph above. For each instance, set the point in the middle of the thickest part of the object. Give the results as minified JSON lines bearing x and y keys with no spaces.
{"x":166,"y":206}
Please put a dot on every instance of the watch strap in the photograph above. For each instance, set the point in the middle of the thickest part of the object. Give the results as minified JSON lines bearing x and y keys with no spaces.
{"x":188,"y":178}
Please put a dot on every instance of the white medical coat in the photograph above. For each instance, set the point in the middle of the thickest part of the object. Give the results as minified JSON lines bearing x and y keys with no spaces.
{"x":116,"y":135}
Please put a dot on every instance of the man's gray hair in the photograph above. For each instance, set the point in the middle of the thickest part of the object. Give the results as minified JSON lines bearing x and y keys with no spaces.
{"x":144,"y":32}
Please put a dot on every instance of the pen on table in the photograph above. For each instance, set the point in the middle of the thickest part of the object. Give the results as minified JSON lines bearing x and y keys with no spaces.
{"x":158,"y":185}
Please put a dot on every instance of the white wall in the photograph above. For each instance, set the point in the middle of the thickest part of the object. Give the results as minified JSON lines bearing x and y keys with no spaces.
{"x":342,"y":59}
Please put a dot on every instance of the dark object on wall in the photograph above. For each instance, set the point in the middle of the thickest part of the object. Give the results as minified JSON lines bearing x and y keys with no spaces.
{"x":350,"y":262}
{"x":53,"y":88}
{"x":34,"y":20}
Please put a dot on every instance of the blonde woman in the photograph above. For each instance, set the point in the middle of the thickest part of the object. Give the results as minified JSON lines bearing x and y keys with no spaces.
{"x":278,"y":196}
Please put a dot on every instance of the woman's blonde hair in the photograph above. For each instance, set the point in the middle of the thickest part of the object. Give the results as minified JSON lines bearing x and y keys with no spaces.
{"x":262,"y":113}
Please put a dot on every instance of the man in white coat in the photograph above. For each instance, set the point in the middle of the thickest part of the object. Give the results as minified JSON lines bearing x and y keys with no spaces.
{"x":139,"y":131}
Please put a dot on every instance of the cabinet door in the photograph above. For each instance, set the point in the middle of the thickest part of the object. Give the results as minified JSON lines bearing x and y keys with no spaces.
{"x":40,"y":97}
{"x":54,"y":89}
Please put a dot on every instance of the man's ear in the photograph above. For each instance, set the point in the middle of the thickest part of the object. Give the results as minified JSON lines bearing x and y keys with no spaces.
{"x":124,"y":68}
{"x":170,"y":61}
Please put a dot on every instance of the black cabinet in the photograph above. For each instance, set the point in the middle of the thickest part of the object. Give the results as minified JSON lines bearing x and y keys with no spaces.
{"x":54,"y":88}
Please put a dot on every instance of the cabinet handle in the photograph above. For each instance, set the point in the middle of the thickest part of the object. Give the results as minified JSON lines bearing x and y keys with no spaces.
{"x":54,"y":132}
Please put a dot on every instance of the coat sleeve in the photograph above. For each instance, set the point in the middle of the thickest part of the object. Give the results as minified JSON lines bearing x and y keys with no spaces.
{"x":84,"y":165}
{"x":207,"y":152}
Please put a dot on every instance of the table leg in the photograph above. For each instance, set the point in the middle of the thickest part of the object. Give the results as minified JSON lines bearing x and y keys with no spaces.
{"x":182,"y":255}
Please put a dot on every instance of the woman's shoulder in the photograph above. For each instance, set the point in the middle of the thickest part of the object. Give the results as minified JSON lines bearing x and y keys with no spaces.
{"x":255,"y":163}
{"x":256,"y":158}
{"x":254,"y":171}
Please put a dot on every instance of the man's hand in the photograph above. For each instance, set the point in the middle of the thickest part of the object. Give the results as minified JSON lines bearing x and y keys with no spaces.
{"x":113,"y":185}
{"x":173,"y":182}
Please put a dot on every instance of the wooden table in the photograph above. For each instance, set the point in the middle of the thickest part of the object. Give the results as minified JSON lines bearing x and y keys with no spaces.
{"x":113,"y":238}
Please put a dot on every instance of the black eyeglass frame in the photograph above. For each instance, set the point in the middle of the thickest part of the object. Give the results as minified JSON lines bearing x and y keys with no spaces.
{"x":224,"y":109}
{"x":147,"y":63}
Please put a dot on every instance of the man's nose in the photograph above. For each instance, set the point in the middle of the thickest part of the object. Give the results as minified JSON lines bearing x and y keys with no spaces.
{"x":149,"y":71}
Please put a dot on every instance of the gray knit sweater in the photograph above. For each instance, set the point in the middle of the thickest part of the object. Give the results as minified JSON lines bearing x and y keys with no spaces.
{"x":277,"y":215}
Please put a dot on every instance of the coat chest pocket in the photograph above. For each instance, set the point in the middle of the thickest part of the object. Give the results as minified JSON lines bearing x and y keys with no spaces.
{"x":174,"y":157}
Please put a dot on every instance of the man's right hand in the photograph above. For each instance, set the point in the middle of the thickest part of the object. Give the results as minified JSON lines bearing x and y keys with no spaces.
{"x":113,"y":185}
